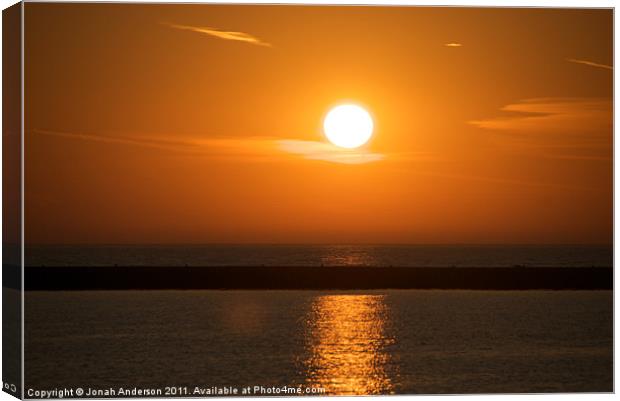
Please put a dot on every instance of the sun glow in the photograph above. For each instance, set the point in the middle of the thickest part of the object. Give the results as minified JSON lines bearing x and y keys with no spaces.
{"x":348,"y":126}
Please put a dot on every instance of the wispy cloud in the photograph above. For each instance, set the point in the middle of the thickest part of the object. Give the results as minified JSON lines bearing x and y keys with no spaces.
{"x":144,"y":141}
{"x":552,"y":115}
{"x":315,"y":150}
{"x":590,"y":63}
{"x":453,"y":44}
{"x":251,"y":148}
{"x":559,"y":128}
{"x":226,"y":35}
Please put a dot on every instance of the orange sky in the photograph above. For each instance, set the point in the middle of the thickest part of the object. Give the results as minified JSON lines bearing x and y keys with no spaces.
{"x":200,"y":124}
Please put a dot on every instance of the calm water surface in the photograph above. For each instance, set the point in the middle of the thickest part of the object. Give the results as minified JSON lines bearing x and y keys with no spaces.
{"x":327,"y":255}
{"x":378,"y":342}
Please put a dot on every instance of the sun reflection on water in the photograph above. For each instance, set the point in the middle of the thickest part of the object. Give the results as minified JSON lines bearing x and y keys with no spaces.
{"x":349,"y":255}
{"x":347,"y":340}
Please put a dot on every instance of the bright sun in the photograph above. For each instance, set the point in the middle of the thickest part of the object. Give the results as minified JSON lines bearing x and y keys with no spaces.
{"x":348,"y":126}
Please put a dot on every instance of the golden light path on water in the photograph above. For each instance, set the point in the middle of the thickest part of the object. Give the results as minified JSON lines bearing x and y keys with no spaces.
{"x":347,"y":340}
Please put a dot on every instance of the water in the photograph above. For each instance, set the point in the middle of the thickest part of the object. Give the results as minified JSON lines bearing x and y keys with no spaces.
{"x":317,"y":255}
{"x":352,"y":342}
{"x":371,"y":342}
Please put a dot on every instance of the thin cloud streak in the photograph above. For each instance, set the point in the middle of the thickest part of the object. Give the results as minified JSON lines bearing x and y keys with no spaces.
{"x":243,"y":149}
{"x":453,"y":44}
{"x":151,"y":142}
{"x":590,"y":63}
{"x":558,"y":128}
{"x":315,"y":150}
{"x":226,"y":35}
{"x":553,"y":115}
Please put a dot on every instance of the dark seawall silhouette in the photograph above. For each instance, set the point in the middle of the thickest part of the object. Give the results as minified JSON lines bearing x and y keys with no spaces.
{"x":312,"y":277}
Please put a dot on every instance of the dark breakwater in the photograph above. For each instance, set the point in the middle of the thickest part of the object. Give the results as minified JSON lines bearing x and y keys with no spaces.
{"x":311,"y":278}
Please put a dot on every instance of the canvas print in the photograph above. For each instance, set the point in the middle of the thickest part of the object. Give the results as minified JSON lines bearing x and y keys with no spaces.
{"x":281,"y":200}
